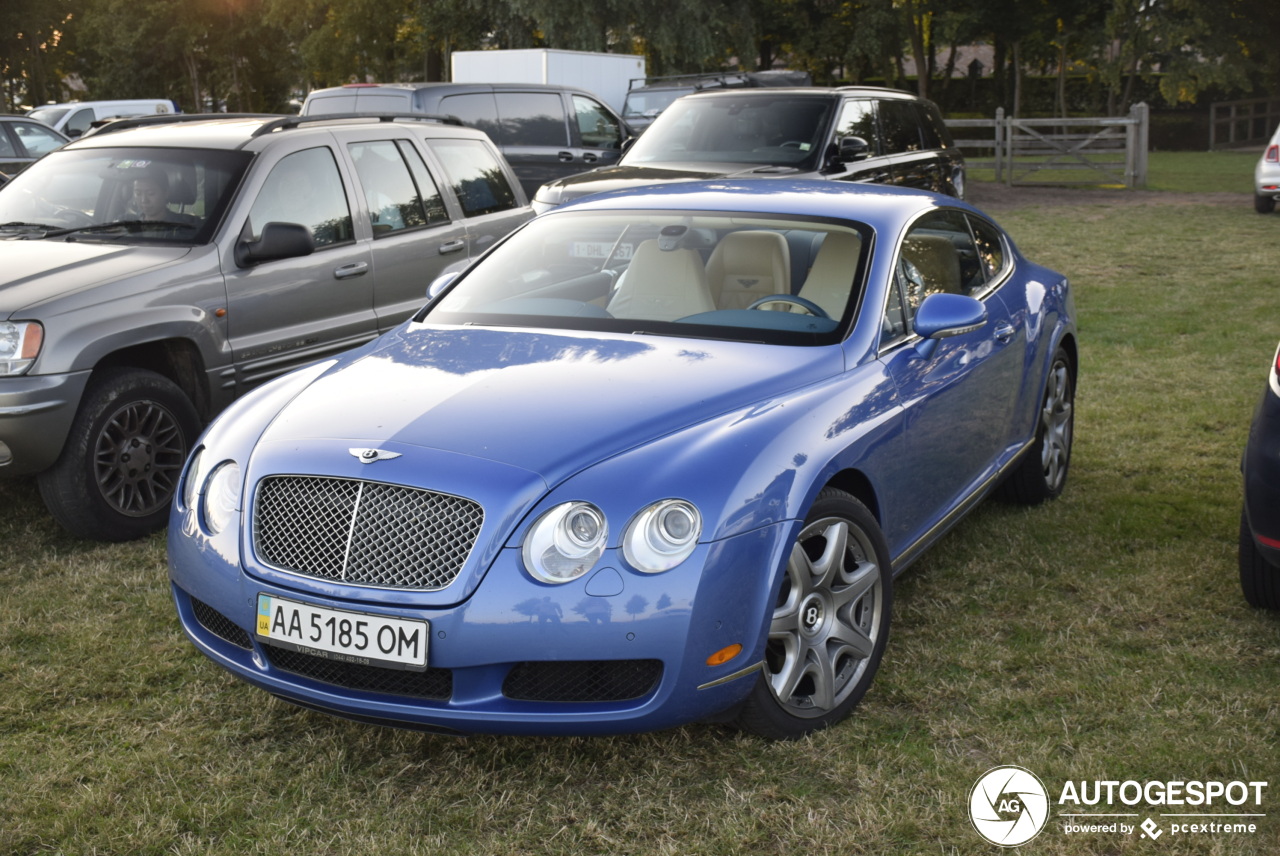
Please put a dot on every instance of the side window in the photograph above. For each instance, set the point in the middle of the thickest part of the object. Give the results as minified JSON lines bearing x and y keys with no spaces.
{"x":991,"y":255}
{"x":35,"y":139}
{"x":929,"y":137}
{"x":597,"y":128}
{"x":858,"y":119}
{"x":6,"y":145}
{"x":476,"y":176}
{"x":532,"y":119}
{"x":389,"y":190}
{"x":79,"y":122}
{"x":938,"y":256}
{"x":901,"y":130}
{"x":428,"y":191}
{"x":477,"y":110}
{"x":305,"y":187}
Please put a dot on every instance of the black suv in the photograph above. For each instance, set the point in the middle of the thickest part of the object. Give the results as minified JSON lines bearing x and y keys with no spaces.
{"x":846,"y":134}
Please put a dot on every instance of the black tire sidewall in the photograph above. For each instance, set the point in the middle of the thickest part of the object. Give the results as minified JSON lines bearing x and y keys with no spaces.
{"x":69,"y":488}
{"x":1259,"y":579}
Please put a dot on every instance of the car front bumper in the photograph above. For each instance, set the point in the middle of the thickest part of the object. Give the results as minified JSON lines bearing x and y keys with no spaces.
{"x":36,"y":412}
{"x":615,"y":651}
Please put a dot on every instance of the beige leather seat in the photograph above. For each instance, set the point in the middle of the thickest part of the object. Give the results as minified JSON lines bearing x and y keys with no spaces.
{"x":662,"y":285}
{"x":831,"y":278}
{"x":748,"y":265}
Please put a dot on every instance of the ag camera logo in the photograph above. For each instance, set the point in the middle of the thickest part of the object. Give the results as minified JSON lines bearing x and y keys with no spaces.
{"x":1008,"y":806}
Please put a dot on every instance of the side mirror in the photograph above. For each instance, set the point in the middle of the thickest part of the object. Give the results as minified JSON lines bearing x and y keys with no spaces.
{"x":852,"y":149}
{"x":278,"y":241}
{"x":943,"y":315}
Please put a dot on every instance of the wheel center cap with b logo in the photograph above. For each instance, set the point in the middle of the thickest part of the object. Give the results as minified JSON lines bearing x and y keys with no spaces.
{"x":813,"y":611}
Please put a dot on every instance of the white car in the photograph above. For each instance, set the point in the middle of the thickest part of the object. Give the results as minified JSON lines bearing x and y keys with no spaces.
{"x":1266,"y":177}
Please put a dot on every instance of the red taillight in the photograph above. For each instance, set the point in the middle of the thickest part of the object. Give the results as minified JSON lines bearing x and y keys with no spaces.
{"x":1273,"y":154}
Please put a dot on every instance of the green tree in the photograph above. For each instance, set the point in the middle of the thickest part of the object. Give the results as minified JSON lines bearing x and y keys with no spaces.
{"x":34,"y":50}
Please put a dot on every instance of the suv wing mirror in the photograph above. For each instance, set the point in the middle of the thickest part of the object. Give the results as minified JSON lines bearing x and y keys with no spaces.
{"x":852,"y":149}
{"x":278,"y":241}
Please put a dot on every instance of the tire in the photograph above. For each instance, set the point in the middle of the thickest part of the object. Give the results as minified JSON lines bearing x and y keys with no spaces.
{"x":1264,"y":204}
{"x":1042,"y":473}
{"x":118,"y":471}
{"x":829,"y":626}
{"x":1259,"y":579}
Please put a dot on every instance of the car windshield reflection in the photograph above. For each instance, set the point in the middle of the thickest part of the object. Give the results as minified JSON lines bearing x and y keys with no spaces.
{"x":725,"y":276}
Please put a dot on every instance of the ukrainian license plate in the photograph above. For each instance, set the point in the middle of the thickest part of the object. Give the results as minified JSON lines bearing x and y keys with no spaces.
{"x":349,"y":637}
{"x":601,"y":250}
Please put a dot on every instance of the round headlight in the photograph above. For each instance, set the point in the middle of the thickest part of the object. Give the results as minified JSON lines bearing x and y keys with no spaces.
{"x":191,"y":487}
{"x":222,"y":496}
{"x":566,"y":542}
{"x":661,"y":536}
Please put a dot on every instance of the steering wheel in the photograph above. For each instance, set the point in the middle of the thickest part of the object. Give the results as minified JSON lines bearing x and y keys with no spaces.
{"x":807,"y":305}
{"x":74,"y":218}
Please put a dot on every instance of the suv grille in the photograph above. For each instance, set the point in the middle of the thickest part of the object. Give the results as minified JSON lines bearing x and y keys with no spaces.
{"x":362,"y":532}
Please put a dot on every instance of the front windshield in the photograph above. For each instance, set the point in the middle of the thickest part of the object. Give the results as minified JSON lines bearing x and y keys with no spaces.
{"x":642,"y":103}
{"x":122,"y":194}
{"x":769,"y":129}
{"x":746,"y":277}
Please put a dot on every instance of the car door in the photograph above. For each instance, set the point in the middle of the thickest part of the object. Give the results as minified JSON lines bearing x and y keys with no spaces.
{"x":285,"y":313}
{"x":913,"y":162}
{"x":858,"y":119}
{"x":483,"y":189}
{"x":960,"y":398}
{"x":415,"y":235}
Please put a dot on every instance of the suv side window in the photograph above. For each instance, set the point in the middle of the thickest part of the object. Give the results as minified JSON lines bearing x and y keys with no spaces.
{"x":596,"y":127}
{"x":476,"y":176}
{"x":476,"y":110}
{"x":305,"y":187}
{"x":858,"y":119}
{"x":428,"y":191}
{"x":532,"y":119}
{"x":389,"y":188}
{"x":928,"y":133}
{"x":35,"y":139}
{"x":900,"y":126}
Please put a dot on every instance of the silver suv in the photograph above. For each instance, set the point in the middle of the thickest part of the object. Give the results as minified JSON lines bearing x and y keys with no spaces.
{"x":153,"y":272}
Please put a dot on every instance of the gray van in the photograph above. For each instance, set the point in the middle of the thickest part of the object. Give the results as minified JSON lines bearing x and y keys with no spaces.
{"x":545,"y":132}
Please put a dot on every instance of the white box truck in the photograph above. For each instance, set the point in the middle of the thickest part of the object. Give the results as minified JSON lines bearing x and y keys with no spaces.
{"x":606,"y":74}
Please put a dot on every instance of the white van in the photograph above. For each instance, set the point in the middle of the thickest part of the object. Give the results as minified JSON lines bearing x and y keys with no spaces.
{"x":75,"y":117}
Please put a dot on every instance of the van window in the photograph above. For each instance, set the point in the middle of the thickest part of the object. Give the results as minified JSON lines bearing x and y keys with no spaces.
{"x":532,"y":119}
{"x":305,"y":188}
{"x":477,"y":177}
{"x":476,"y":110}
{"x":597,"y":128}
{"x":79,"y":122}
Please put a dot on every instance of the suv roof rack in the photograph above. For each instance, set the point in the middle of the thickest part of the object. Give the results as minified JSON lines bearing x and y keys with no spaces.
{"x":275,"y":122}
{"x":283,"y":123}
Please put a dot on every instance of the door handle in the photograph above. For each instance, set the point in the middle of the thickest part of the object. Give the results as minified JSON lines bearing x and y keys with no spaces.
{"x":452,"y":246}
{"x":1004,"y":332}
{"x":566,"y":157}
{"x":589,"y":157}
{"x":351,"y":270}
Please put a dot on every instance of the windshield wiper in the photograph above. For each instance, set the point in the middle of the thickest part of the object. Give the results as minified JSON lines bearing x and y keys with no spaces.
{"x":17,"y":224}
{"x":126,"y":225}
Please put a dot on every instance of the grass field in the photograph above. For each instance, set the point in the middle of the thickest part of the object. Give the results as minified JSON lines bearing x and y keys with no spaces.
{"x":1099,"y":637}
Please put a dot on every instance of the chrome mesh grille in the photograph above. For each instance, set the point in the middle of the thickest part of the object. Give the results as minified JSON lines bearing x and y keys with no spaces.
{"x":363,"y":532}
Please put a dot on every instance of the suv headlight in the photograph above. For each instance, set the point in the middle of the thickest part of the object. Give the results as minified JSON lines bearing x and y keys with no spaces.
{"x":661,"y":536}
{"x":566,"y":542}
{"x":20,"y":343}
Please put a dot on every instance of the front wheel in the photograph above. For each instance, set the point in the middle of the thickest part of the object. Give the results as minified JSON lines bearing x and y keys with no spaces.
{"x":1042,"y":473}
{"x":120,"y":466}
{"x":830,"y":623}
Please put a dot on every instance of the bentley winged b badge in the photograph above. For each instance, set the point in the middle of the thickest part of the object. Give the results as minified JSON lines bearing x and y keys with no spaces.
{"x":368,"y":456}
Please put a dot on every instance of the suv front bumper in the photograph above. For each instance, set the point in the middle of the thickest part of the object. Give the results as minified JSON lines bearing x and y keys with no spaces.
{"x":35,"y":416}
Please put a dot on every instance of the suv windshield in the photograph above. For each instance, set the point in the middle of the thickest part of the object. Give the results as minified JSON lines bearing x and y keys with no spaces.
{"x":122,"y":194}
{"x":745,"y":277}
{"x":778,"y":130}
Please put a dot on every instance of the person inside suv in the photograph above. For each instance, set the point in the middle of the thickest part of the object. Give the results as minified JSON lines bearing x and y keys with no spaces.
{"x":848,"y":134}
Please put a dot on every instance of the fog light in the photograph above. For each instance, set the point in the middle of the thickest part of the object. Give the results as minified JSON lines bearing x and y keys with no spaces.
{"x":724,"y":655}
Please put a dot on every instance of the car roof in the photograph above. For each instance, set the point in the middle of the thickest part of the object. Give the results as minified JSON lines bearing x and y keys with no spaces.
{"x":446,"y":87}
{"x":872,"y":203}
{"x":234,"y":132}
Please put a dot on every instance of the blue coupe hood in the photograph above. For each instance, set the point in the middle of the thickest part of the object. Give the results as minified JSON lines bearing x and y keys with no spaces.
{"x":549,"y":403}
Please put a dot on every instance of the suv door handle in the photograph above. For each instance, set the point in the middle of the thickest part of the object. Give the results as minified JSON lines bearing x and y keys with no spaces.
{"x":565,"y":157}
{"x":589,"y":157}
{"x":1005,"y":331}
{"x":351,"y":270}
{"x":452,"y":246}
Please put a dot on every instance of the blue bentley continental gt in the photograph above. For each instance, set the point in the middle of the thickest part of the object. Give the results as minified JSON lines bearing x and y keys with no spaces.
{"x":656,"y":458}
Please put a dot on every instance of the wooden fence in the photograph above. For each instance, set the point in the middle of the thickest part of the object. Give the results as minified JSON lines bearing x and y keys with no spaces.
{"x":1091,"y":150}
{"x":1242,"y":123}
